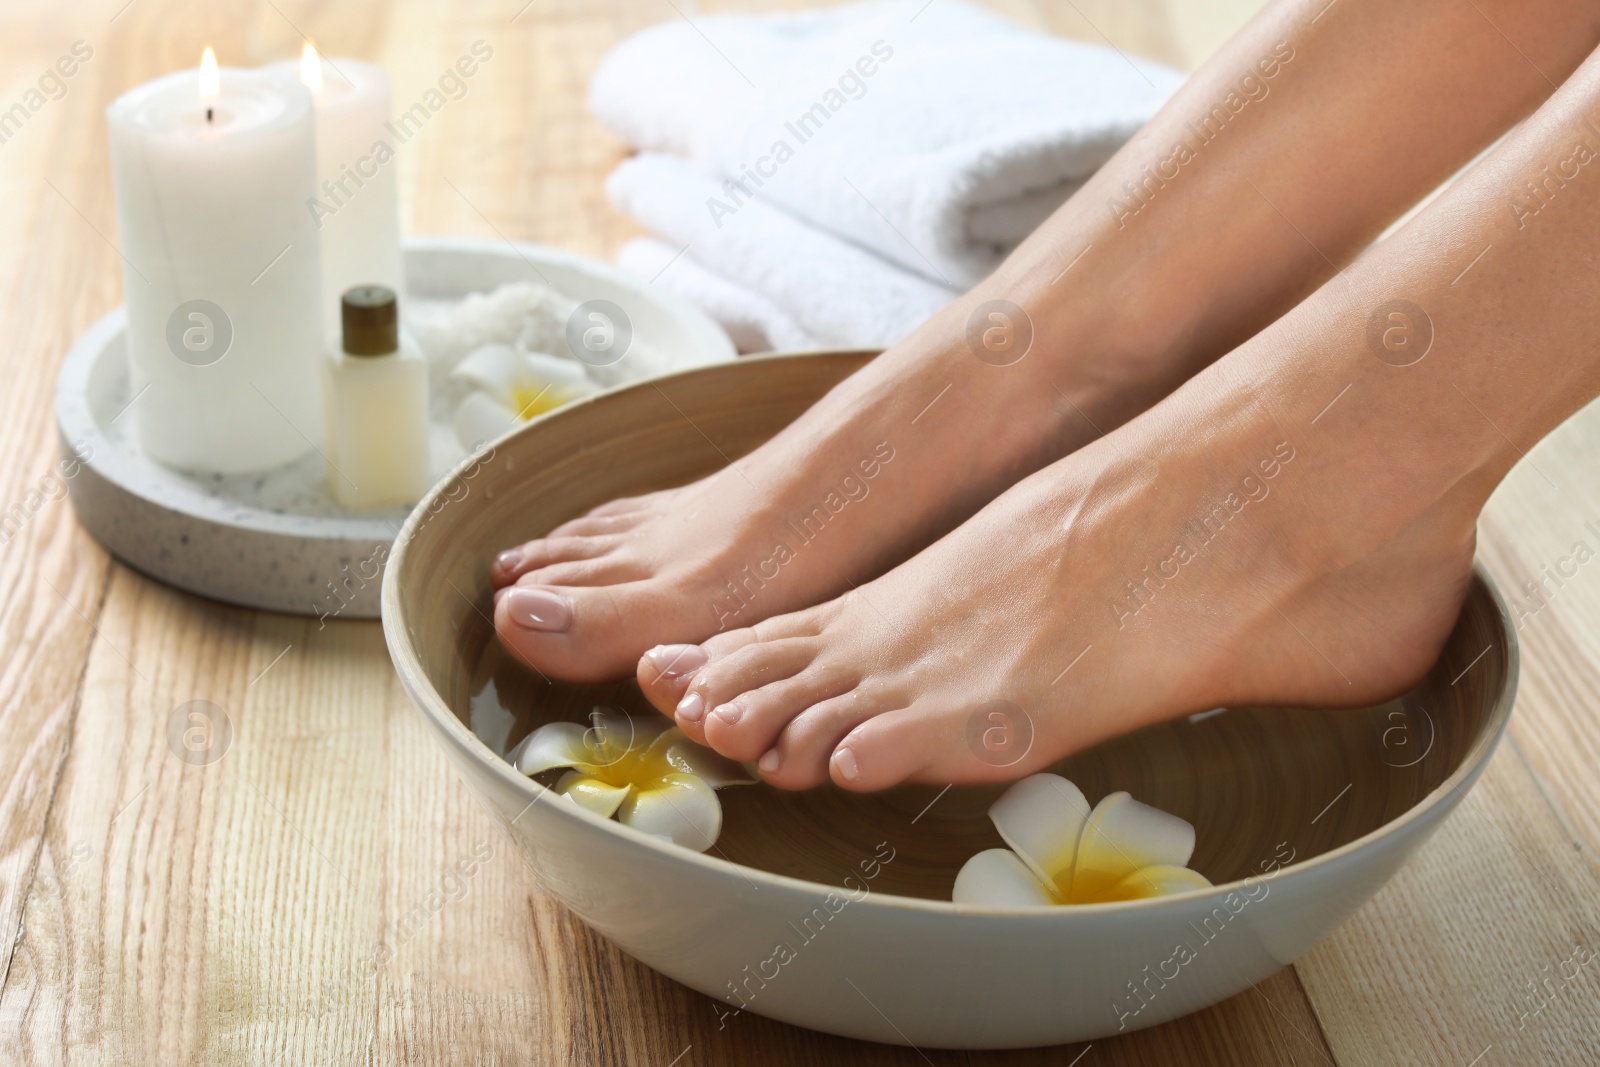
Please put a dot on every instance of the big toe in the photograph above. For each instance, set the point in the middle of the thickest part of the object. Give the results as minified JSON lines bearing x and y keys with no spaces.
{"x":580,"y":633}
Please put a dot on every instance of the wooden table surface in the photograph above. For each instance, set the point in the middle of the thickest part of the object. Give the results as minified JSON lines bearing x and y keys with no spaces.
{"x":264,"y":908}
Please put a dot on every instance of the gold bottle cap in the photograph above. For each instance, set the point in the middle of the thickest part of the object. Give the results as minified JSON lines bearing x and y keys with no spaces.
{"x":371,"y":320}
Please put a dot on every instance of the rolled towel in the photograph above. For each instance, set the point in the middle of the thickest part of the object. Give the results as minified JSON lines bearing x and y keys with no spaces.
{"x":936,"y":134}
{"x":836,"y":292}
{"x":755,"y":323}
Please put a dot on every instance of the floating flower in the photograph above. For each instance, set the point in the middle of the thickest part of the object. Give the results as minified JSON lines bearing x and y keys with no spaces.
{"x":645,"y":772}
{"x":508,"y":387}
{"x":1063,"y":853}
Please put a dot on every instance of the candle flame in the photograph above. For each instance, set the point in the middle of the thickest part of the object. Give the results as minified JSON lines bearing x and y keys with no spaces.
{"x":210,"y":79}
{"x":311,"y":69}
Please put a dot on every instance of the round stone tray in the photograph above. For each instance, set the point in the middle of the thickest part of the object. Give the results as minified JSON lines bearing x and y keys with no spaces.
{"x":277,"y":539}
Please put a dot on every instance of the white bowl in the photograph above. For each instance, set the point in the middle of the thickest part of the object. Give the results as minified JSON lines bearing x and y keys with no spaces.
{"x":1350,"y":794}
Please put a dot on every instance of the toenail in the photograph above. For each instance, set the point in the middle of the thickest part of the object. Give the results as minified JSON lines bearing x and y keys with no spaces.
{"x":533,"y":608}
{"x":845,"y":761}
{"x":508,"y":560}
{"x":729,"y":713}
{"x":771,"y":761}
{"x":676,"y":661}
{"x":691,"y":708}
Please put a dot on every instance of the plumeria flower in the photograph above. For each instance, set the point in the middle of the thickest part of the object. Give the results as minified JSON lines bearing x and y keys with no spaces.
{"x":645,"y":772}
{"x":1063,"y":853}
{"x":508,"y":387}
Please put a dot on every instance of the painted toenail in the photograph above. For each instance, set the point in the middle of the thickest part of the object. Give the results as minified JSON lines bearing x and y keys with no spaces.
{"x":676,"y":661}
{"x":533,"y":608}
{"x":729,"y":713}
{"x":508,"y":560}
{"x":771,"y":761}
{"x":691,"y":708}
{"x":845,"y":761}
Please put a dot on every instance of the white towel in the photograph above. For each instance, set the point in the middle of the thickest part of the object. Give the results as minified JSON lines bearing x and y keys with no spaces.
{"x":834,"y":292}
{"x":937,"y":134}
{"x":755,"y":323}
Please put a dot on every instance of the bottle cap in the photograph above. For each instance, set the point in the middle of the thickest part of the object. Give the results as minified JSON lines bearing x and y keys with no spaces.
{"x":371,"y":320}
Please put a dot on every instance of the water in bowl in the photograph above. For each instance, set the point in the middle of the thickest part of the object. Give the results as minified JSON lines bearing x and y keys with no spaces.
{"x":1259,"y":784}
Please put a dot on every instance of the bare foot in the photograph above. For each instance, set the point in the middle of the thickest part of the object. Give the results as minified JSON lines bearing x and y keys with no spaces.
{"x":1206,"y":554}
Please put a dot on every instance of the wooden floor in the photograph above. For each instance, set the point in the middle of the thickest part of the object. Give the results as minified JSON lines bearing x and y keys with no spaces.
{"x":245,"y":911}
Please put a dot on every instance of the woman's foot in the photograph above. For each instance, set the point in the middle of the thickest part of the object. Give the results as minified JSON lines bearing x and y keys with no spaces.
{"x":1207,"y":554}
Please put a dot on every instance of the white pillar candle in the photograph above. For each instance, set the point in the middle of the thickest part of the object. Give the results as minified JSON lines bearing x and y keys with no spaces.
{"x":357,"y":204}
{"x":221,"y":267}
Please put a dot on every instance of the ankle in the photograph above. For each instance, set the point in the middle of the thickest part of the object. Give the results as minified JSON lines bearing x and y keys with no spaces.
{"x":1335,"y":443}
{"x":1109,"y":339}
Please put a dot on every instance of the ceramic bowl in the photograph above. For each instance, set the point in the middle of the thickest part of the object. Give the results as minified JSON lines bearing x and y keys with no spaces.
{"x":831,"y":910}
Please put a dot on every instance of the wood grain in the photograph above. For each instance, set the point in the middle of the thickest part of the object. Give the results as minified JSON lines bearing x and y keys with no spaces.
{"x":278,"y":905}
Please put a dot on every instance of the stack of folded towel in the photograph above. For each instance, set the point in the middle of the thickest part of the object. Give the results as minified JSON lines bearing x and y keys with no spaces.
{"x":834,"y":177}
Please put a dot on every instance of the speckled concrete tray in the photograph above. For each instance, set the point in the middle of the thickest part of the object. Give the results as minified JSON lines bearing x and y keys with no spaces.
{"x":277,"y":539}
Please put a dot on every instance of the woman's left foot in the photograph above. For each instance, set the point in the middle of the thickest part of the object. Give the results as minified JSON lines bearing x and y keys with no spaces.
{"x":1202,"y":556}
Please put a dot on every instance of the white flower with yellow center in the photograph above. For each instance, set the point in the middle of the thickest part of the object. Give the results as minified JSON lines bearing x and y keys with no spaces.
{"x":1063,"y":853}
{"x":507,"y":387}
{"x":643,"y":771}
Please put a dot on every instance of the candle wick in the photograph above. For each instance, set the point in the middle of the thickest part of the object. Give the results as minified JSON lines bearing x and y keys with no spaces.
{"x":209,"y":114}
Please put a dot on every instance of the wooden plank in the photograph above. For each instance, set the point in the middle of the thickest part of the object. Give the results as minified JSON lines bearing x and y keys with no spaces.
{"x":1435,"y":970}
{"x":1271,"y":1023}
{"x":111,"y":948}
{"x":1540,"y":526}
{"x":56,"y":273}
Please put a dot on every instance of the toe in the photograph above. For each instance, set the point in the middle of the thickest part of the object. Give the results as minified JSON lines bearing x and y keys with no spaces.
{"x":603,"y":570}
{"x":626,"y":504}
{"x":584,"y":633}
{"x":713,"y":703}
{"x":799,"y":755}
{"x":745,"y":724}
{"x":599,"y":525}
{"x":688,"y":681}
{"x":513,"y":563}
{"x":734,"y":672}
{"x":882,"y":751}
{"x":664,"y":673}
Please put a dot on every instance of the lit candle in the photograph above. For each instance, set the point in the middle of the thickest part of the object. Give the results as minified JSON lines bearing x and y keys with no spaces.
{"x":357,"y":204}
{"x":221,"y":267}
